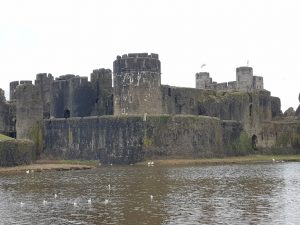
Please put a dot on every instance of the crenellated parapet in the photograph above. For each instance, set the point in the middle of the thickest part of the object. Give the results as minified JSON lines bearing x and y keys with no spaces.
{"x":245,"y":81}
{"x":137,"y":62}
{"x":101,"y":78}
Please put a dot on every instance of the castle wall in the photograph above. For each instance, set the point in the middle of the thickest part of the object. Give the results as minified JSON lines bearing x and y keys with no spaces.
{"x":101,"y":80}
{"x":12,"y":114}
{"x":177,"y":100}
{"x":137,"y":80}
{"x":4,"y":114}
{"x":232,"y":85}
{"x":73,"y":94}
{"x":244,"y":78}
{"x":129,"y":139}
{"x":279,"y":137}
{"x":258,"y":82}
{"x":43,"y":83}
{"x":202,"y":80}
{"x":249,"y":108}
{"x":12,"y":89}
{"x":29,"y":110}
{"x":245,"y":81}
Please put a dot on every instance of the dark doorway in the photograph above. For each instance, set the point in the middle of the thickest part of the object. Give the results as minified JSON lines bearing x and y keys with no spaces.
{"x":67,"y":113}
{"x":254,"y":141}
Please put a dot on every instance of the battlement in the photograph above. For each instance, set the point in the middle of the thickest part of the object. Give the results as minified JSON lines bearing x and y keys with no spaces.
{"x":137,"y":62}
{"x":243,"y":70}
{"x":245,"y":81}
{"x":13,"y":87}
{"x":202,"y":75}
{"x":100,"y":74}
{"x":26,"y":82}
{"x":65,"y":77}
{"x":139,"y":55}
{"x":70,"y":79}
{"x":2,"y":96}
{"x":42,"y":76}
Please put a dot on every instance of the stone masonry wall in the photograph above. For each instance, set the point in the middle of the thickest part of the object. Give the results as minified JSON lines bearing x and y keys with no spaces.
{"x":137,"y":81}
{"x":29,"y":110}
{"x":4,"y":114}
{"x":250,"y":108}
{"x":280,"y":137}
{"x":73,"y":94}
{"x":101,"y":80}
{"x":129,"y":139}
{"x":43,"y":83}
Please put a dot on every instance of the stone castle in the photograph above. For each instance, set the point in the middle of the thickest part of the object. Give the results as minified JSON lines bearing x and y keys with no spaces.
{"x":137,"y":117}
{"x":245,"y":81}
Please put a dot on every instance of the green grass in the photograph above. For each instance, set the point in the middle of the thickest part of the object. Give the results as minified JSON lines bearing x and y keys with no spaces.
{"x":250,"y":159}
{"x":73,"y":162}
{"x":4,"y":138}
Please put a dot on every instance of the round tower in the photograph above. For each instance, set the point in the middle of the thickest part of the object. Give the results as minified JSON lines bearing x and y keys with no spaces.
{"x":137,"y":84}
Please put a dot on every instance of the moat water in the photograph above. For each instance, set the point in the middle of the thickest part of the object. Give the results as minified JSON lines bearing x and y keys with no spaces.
{"x":227,"y":194}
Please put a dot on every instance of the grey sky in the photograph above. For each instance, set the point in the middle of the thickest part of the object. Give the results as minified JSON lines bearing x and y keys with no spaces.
{"x":70,"y":36}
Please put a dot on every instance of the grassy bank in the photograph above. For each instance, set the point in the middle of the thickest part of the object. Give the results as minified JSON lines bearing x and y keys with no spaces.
{"x":51,"y":165}
{"x":4,"y":137}
{"x":61,"y":165}
{"x":251,"y":159}
{"x":69,"y":162}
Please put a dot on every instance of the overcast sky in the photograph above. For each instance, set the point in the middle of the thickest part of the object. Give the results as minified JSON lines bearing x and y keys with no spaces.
{"x":69,"y":36}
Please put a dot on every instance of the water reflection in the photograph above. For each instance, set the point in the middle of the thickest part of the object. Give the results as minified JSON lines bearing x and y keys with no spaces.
{"x":231,"y":194}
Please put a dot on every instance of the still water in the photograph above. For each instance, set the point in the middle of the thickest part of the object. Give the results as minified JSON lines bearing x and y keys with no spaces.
{"x":227,"y":194}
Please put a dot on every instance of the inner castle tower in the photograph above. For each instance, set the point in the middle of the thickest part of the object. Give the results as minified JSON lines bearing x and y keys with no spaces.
{"x":137,"y":82}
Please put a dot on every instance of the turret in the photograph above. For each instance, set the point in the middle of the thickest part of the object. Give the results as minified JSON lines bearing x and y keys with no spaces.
{"x":29,"y":110}
{"x":43,"y":83}
{"x":101,"y":80}
{"x":12,"y":89}
{"x":244,"y":78}
{"x":137,"y":81}
{"x":203,"y":80}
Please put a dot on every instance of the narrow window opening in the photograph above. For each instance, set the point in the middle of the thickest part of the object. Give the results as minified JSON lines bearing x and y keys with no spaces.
{"x":250,"y":110}
{"x":169,"y":91}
